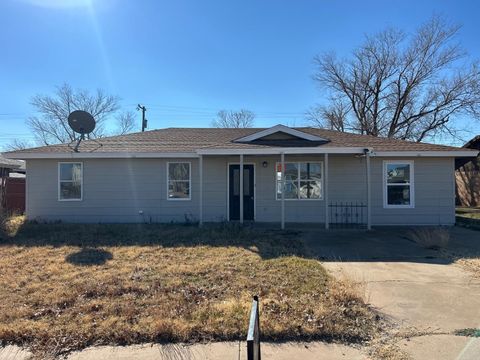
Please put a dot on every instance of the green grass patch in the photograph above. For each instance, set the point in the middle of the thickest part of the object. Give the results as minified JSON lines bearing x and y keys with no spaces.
{"x":468,"y":332}
{"x":469,"y":213}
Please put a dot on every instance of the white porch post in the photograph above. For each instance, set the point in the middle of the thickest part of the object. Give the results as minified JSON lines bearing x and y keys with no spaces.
{"x":325,"y":192}
{"x":368,"y":177}
{"x":282,"y":160}
{"x":241,"y":188}
{"x":200,"y":193}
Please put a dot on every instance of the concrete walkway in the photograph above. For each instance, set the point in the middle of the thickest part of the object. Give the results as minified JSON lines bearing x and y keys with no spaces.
{"x":219,"y":351}
{"x":13,"y":353}
{"x":427,"y":297}
{"x":212,"y":351}
{"x":416,"y":287}
{"x":442,"y":347}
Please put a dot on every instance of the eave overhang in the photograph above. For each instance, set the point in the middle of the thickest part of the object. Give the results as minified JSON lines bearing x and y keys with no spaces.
{"x":245,"y":151}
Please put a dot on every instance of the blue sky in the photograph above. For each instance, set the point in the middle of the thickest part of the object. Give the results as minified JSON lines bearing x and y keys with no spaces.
{"x":187,"y":59}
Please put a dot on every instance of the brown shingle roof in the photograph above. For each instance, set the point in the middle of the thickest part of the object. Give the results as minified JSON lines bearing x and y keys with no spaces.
{"x":187,"y":140}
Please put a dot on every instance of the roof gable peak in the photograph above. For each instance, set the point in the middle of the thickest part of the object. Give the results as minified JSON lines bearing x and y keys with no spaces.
{"x":280,"y":129}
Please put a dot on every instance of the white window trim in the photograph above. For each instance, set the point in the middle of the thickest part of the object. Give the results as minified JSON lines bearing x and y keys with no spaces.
{"x":300,"y":162}
{"x":59,"y":182}
{"x":412,"y":184}
{"x":189,"y":180}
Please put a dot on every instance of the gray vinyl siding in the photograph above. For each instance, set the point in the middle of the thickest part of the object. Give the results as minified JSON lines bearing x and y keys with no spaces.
{"x":116,"y":190}
{"x":434,"y":188}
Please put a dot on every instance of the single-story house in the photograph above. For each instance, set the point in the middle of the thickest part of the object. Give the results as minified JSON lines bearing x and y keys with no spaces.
{"x":10,"y":167}
{"x":467,"y":173}
{"x":278,"y":175}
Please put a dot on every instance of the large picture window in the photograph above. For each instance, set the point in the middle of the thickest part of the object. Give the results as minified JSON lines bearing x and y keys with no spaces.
{"x":303,"y":180}
{"x":398,"y":184}
{"x":178,"y":175}
{"x":70,"y":179}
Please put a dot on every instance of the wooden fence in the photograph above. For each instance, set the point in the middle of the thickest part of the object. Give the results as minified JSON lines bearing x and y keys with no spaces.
{"x":12,"y":194}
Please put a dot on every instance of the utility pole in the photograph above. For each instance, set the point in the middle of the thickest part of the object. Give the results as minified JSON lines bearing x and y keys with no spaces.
{"x":144,"y":120}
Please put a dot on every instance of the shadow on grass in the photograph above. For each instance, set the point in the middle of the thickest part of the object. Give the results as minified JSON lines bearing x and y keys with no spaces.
{"x":267,"y":243}
{"x":89,"y":256}
{"x":381,"y":244}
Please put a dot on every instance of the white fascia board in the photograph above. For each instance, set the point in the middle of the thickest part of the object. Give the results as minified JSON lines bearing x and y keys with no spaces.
{"x":446,"y":153}
{"x":280,"y":128}
{"x":262,"y":151}
{"x":98,"y":155}
{"x":277,"y":151}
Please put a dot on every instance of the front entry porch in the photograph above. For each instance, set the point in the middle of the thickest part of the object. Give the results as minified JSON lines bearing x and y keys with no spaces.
{"x":327,"y":188}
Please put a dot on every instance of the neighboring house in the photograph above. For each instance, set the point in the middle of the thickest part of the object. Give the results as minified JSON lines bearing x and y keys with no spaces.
{"x":290,"y":175}
{"x":12,"y":185}
{"x":9,"y":166}
{"x":467,"y":176}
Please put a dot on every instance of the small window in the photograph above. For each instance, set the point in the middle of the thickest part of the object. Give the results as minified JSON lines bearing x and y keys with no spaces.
{"x":178,"y":175}
{"x":303,"y":181}
{"x":236,"y":182}
{"x":70,"y":181}
{"x":398,"y":184}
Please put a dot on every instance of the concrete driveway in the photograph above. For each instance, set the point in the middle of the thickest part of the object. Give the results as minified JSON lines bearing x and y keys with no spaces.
{"x":415,"y":287}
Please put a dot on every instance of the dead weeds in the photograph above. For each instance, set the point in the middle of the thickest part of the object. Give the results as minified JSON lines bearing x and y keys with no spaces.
{"x":472,"y":265}
{"x":65,"y":287}
{"x":434,"y":238}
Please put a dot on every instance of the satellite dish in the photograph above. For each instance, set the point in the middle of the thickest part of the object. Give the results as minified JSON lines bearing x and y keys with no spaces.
{"x":81,"y":122}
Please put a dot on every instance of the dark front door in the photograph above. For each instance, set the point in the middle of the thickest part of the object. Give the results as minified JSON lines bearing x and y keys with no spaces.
{"x":234,"y":192}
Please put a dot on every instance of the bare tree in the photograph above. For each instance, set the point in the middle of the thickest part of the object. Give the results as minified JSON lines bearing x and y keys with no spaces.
{"x":18,"y":144}
{"x":234,"y":119}
{"x":332,"y":116}
{"x":51,"y":124}
{"x":125,"y":122}
{"x":400,"y":87}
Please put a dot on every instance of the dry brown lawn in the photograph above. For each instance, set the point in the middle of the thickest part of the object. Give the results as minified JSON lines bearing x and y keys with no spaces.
{"x":469,"y":263}
{"x":64,"y":287}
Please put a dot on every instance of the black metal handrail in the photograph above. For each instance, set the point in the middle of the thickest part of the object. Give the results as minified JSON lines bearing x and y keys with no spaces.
{"x":348,"y":214}
{"x":253,"y":335}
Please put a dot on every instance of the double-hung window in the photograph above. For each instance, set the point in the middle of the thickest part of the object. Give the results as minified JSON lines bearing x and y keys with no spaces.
{"x":398,"y":184}
{"x":178,"y":181}
{"x":303,"y":180}
{"x":70,"y":181}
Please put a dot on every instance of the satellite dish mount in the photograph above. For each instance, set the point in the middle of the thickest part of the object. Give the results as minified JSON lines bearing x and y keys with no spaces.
{"x":82,"y":123}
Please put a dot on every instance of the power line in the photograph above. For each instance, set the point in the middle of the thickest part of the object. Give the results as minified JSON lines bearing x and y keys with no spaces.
{"x":209,"y":110}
